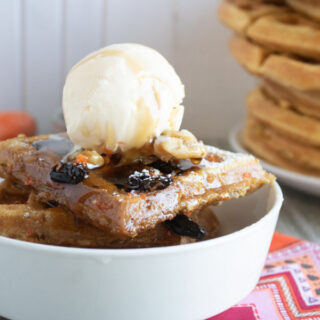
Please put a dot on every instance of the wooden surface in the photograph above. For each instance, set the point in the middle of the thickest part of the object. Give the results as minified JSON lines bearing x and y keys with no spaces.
{"x":300,"y":215}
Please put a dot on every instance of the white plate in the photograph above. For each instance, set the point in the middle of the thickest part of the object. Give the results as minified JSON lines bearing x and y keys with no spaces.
{"x":186,"y":282}
{"x":292,"y":179}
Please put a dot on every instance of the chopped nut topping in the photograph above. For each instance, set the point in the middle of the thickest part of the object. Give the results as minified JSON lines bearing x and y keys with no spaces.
{"x":178,"y":145}
{"x":182,"y":134}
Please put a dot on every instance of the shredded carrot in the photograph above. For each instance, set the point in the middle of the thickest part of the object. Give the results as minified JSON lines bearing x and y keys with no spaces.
{"x":81,"y":159}
{"x":143,"y":196}
{"x":246,"y":175}
{"x":108,"y":152}
{"x":189,"y":213}
{"x":28,"y":181}
{"x":213,"y":158}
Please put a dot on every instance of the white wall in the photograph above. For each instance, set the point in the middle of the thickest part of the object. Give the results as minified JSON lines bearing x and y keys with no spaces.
{"x":42,"y":39}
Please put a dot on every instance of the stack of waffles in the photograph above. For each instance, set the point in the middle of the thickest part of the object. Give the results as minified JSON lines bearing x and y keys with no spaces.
{"x":279,"y":41}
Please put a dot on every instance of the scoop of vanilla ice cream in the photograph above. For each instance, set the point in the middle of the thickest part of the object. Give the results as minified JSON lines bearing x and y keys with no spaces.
{"x":121,"y":97}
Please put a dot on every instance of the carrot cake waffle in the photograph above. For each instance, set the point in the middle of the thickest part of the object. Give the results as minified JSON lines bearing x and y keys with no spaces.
{"x":307,"y":103}
{"x":275,"y":27}
{"x":238,"y":15}
{"x":309,"y":8}
{"x":126,"y":200}
{"x":285,"y":70}
{"x":285,"y":120}
{"x":23,"y":218}
{"x":281,"y":46}
{"x":272,"y":146}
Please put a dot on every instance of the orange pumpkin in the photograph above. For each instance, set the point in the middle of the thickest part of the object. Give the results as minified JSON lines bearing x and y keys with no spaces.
{"x":13,"y":123}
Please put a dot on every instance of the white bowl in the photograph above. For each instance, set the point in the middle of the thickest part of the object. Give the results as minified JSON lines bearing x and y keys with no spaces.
{"x":191,"y":281}
{"x":298,"y":181}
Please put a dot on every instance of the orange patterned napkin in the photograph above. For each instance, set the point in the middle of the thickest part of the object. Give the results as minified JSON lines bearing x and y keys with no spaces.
{"x":289,"y":287}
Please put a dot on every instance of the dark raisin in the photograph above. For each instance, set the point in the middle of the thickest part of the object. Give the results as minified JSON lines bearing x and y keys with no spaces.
{"x":184,"y":226}
{"x":68,"y":173}
{"x":162,"y":182}
{"x":51,"y":204}
{"x":144,"y":181}
{"x":139,"y":180}
{"x":164,"y":167}
{"x":133,"y":182}
{"x":115,"y":158}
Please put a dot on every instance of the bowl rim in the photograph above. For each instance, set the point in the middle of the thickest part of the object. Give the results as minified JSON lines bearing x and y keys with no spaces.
{"x":135,"y":252}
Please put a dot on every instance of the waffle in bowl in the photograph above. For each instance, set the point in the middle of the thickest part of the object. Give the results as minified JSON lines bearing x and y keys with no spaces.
{"x":105,"y":199}
{"x":271,"y":145}
{"x":285,"y":120}
{"x":288,"y":71}
{"x":309,"y":8}
{"x":124,"y":170}
{"x":22,"y":217}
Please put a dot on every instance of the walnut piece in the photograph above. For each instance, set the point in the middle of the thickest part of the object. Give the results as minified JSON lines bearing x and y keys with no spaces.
{"x":178,"y":145}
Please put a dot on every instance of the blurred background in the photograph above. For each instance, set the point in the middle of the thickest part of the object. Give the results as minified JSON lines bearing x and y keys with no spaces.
{"x":42,"y":40}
